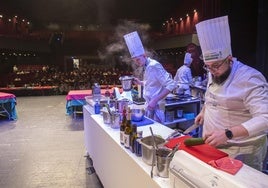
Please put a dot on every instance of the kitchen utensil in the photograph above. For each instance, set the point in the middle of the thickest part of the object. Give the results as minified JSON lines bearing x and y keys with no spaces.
{"x":191,"y":128}
{"x":173,"y":135}
{"x":153,"y":139}
{"x":153,"y":163}
{"x":174,"y":150}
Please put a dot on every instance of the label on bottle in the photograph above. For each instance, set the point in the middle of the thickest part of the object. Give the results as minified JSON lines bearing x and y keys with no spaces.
{"x":122,"y":137}
{"x":126,"y":140}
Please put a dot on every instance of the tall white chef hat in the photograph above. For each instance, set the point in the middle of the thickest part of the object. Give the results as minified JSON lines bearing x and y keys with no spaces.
{"x":214,"y":38}
{"x":188,"y":58}
{"x":134,"y":44}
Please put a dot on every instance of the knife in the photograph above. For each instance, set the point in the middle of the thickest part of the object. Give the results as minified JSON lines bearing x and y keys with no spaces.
{"x":191,"y":128}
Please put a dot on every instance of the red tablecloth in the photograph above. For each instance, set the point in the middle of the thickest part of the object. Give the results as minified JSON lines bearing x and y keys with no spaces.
{"x":78,"y":94}
{"x":81,"y":94}
{"x":6,"y":96}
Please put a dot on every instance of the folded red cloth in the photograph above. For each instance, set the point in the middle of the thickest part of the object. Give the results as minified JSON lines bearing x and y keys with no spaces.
{"x":204,"y":152}
{"x":227,"y":164}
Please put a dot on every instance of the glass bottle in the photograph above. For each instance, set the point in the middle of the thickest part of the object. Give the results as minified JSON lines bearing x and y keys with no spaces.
{"x":133,"y":137}
{"x":123,"y":125}
{"x":128,"y":130}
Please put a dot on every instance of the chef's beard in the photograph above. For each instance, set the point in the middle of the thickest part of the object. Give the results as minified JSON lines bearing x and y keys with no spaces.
{"x":220,"y":79}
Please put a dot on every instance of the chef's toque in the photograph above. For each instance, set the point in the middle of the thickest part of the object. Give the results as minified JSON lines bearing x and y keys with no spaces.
{"x":214,"y":38}
{"x":188,"y":59}
{"x":134,"y":44}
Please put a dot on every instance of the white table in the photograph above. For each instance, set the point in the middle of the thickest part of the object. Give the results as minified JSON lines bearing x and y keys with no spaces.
{"x":118,"y":167}
{"x":115,"y":165}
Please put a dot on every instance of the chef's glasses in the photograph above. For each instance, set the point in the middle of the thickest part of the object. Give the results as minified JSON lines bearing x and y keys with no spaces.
{"x":215,"y":67}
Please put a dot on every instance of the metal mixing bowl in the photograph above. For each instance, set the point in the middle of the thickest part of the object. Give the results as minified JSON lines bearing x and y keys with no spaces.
{"x":137,"y":114}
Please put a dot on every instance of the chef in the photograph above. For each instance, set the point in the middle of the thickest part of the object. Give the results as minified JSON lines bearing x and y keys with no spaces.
{"x":183,"y":75}
{"x":157,"y":82}
{"x":235,"y":113}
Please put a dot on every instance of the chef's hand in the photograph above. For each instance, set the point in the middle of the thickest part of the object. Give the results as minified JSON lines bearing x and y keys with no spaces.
{"x":137,"y":81}
{"x":152,"y":105}
{"x":216,"y":138}
{"x":199,"y":119}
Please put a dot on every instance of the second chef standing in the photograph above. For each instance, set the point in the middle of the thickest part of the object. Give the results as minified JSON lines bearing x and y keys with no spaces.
{"x":157,"y":82}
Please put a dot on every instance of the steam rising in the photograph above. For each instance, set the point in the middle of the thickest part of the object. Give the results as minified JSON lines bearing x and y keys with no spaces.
{"x":117,"y":47}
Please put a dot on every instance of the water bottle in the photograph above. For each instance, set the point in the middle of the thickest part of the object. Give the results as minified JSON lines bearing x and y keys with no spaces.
{"x":97,"y":107}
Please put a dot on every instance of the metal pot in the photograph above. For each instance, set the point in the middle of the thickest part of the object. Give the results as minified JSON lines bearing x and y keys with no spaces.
{"x":112,"y":119}
{"x":120,"y":104}
{"x":126,"y":82}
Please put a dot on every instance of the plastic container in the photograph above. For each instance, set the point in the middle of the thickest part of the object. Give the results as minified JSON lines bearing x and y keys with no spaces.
{"x":169,"y":116}
{"x":189,"y":116}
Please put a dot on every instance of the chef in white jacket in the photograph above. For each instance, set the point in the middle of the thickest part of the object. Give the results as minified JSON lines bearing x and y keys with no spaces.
{"x":183,"y":76}
{"x":157,"y":82}
{"x":235,"y":113}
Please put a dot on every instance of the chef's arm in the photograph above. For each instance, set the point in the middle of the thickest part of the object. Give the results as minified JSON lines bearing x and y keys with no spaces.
{"x":199,"y":119}
{"x":153,"y":102}
{"x":239,"y":131}
{"x":138,"y":82}
{"x":219,"y":137}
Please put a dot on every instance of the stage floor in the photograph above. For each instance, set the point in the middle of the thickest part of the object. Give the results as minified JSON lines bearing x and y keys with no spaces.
{"x":44,"y":147}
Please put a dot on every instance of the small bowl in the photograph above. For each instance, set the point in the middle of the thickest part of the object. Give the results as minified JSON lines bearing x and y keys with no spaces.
{"x":137,"y":114}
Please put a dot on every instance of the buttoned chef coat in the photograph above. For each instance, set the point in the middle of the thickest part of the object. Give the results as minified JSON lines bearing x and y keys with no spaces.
{"x":241,"y":99}
{"x":184,"y":78}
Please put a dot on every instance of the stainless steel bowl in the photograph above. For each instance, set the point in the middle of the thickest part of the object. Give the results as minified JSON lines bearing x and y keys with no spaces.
{"x":137,"y":114}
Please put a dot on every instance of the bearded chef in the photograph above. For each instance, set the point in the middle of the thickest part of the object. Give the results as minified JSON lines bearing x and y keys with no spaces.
{"x":235,"y":113}
{"x":157,"y":82}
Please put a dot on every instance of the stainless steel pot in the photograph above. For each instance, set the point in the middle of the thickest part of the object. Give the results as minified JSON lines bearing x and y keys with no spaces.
{"x":112,"y":119}
{"x":147,"y":147}
{"x":126,"y":82}
{"x":120,"y":104}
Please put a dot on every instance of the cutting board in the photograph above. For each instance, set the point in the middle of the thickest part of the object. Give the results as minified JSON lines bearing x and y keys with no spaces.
{"x":204,"y":152}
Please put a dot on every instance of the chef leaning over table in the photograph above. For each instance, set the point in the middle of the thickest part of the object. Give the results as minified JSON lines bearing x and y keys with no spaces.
{"x":235,"y":113}
{"x":157,"y":82}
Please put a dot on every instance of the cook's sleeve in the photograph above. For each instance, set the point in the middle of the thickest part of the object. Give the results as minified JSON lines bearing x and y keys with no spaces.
{"x":164,"y":77}
{"x":256,"y":100}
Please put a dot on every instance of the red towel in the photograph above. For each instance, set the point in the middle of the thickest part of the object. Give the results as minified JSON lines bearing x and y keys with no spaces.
{"x":204,"y":152}
{"x":227,"y":164}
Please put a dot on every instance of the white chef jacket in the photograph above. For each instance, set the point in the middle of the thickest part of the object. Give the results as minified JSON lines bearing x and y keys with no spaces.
{"x":241,"y":100}
{"x":184,"y":78}
{"x":156,"y":78}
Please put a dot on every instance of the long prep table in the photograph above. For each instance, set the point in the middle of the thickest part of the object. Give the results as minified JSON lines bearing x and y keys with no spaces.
{"x":118,"y":167}
{"x":115,"y":165}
